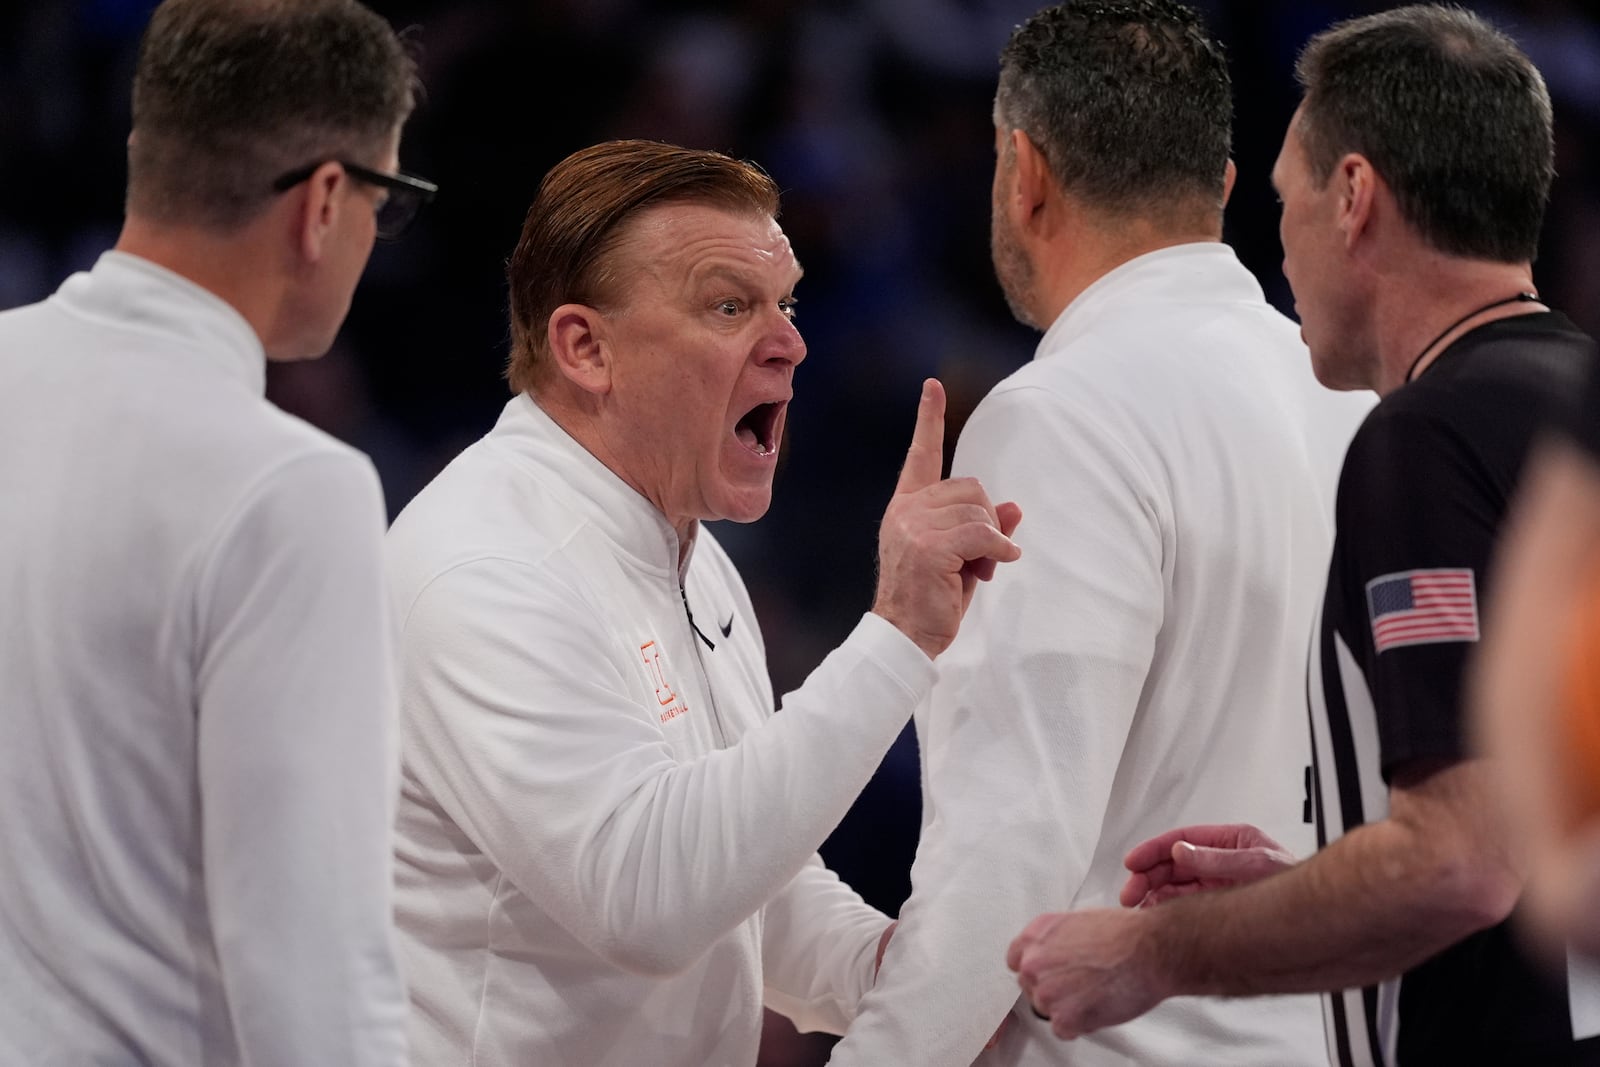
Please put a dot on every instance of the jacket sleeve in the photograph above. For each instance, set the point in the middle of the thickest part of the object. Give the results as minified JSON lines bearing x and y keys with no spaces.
{"x":819,"y":943}
{"x":1024,"y":731}
{"x":522,"y":726}
{"x":298,"y":768}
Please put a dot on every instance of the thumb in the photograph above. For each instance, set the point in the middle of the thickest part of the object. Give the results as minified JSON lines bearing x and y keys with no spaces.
{"x":1010,"y":515}
{"x":925,"y":458}
{"x":983,"y":569}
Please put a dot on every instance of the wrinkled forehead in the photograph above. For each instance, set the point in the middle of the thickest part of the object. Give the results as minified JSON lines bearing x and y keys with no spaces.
{"x":678,"y":242}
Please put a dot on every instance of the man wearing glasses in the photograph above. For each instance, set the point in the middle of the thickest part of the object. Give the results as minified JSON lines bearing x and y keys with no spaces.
{"x":197,"y":779}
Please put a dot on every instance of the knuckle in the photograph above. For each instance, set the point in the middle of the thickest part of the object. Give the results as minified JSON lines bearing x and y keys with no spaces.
{"x":968,"y":486}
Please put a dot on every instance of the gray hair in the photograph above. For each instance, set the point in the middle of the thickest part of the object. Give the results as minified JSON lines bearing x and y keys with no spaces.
{"x":230,"y":94}
{"x":1128,"y":100}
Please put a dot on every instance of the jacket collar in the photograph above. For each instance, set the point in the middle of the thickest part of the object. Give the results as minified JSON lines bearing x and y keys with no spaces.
{"x":1206,"y":272}
{"x":135,"y":294}
{"x":590,"y":488}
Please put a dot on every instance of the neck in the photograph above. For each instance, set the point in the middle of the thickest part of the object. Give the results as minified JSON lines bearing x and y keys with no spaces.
{"x":1080,"y":255}
{"x":230,"y":266}
{"x":578,"y":413}
{"x":1425,"y":307}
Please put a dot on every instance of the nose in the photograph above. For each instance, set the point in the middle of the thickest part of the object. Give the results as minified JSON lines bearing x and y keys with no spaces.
{"x":781,"y":344}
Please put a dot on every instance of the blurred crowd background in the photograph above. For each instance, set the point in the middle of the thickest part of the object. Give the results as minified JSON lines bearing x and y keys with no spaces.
{"x":874,"y":118}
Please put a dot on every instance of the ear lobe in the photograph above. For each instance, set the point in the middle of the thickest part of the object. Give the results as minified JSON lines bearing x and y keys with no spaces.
{"x":580,"y":348}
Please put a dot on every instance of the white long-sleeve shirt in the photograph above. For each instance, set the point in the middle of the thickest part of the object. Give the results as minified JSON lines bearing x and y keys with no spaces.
{"x":1141,"y":668}
{"x":607,"y":839}
{"x":197,"y":710}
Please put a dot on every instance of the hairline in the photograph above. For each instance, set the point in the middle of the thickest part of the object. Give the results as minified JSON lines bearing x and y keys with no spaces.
{"x":1460,"y":40}
{"x":617,"y":244}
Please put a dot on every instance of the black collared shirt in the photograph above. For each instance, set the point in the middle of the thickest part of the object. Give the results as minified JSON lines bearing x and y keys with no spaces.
{"x":1422,"y":499}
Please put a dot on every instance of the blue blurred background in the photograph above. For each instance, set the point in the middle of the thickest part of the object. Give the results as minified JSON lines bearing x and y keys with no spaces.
{"x":873,"y":116}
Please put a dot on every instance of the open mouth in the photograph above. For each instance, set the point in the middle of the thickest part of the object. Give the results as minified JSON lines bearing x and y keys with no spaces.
{"x":758,"y":429}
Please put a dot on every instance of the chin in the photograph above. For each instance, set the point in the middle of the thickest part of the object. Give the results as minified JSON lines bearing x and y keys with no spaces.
{"x":300,"y":349}
{"x":1325,"y":375}
{"x":747,"y":506}
{"x":1334,"y":375}
{"x":298,"y":355}
{"x":1322,"y":372}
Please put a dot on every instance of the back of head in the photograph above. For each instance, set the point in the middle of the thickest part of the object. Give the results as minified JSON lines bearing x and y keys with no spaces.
{"x":1128,"y":100}
{"x":230,"y":94}
{"x":1452,"y":115}
{"x":567,"y":252}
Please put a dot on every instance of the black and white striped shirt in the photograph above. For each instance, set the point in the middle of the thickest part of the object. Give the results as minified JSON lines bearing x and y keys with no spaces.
{"x":1422,"y":499}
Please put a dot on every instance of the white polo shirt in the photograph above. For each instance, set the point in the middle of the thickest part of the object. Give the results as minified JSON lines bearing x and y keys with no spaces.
{"x":1141,"y":668}
{"x":197,"y":752}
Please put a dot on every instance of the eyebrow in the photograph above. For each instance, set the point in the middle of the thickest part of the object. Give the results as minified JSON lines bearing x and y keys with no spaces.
{"x":736,"y":275}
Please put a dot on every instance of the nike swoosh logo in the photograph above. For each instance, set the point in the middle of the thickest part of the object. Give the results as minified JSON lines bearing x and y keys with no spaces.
{"x":726,"y":627}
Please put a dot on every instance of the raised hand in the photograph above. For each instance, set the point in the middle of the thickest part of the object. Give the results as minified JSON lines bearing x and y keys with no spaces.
{"x":939,"y":538}
{"x":1197,"y":858}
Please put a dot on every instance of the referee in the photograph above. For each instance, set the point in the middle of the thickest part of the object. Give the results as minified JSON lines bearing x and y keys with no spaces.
{"x":1413,"y":178}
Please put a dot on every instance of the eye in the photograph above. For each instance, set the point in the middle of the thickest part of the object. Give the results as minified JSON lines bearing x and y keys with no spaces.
{"x":787,"y":306}
{"x":729,"y":308}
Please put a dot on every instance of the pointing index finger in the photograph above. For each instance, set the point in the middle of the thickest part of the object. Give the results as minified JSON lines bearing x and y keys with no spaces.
{"x":925,"y":458}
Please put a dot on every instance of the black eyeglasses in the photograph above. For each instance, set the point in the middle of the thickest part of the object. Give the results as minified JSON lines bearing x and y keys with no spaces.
{"x":407,"y":194}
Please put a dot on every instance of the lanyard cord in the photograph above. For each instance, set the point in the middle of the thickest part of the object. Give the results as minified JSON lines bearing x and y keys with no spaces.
{"x":1520,"y":298}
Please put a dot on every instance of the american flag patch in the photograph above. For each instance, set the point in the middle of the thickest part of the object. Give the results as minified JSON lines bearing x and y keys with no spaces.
{"x":1423,"y":607}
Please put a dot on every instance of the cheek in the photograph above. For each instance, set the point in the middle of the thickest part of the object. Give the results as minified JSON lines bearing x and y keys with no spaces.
{"x":1286,"y":238}
{"x":1299,"y":265}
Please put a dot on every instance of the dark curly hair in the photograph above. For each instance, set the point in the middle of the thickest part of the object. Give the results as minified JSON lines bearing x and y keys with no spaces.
{"x":1129,"y":101}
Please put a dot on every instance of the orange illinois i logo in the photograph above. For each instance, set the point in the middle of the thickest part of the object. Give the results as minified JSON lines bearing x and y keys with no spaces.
{"x":671,"y":706}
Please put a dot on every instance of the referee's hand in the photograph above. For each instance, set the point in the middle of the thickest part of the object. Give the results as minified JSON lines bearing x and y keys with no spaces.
{"x":1086,"y":970}
{"x":1198,"y":858}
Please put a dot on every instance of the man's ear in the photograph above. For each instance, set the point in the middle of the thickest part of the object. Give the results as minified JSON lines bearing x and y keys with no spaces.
{"x":319,"y":210}
{"x":1358,"y":186}
{"x":1230,"y":175}
{"x":580,"y":347}
{"x":1033,"y":182}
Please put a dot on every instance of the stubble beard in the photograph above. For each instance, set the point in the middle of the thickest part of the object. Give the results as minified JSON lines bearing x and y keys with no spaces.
{"x":1013,"y":270}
